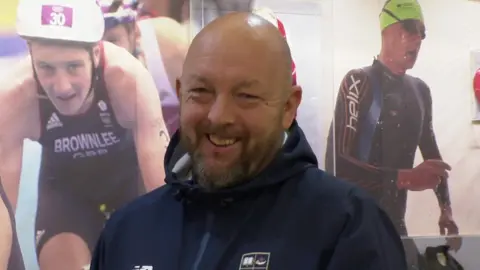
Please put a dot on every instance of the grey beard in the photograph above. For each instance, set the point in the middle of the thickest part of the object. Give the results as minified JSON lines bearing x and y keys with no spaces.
{"x":211,"y":182}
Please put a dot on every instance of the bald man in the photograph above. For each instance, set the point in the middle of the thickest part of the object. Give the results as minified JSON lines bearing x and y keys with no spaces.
{"x":243,"y":186}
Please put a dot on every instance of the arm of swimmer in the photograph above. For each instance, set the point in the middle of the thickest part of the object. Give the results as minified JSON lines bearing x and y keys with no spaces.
{"x":139,"y":100}
{"x":429,"y":149}
{"x":353,"y":100}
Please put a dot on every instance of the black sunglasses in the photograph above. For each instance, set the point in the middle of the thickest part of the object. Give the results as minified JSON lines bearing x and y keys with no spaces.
{"x":410,"y":26}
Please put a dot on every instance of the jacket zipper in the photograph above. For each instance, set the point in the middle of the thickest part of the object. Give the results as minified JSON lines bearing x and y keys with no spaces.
{"x":204,"y":242}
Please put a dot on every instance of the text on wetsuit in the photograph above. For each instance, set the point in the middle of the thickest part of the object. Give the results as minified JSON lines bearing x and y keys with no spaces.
{"x":353,"y":103}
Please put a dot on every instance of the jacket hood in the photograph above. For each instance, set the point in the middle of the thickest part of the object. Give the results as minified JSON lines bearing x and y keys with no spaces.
{"x":295,"y":156}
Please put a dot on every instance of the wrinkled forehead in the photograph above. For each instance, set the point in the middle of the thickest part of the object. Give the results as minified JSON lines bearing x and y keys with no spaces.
{"x":221,"y":63}
{"x":57,"y":54}
{"x":410,"y":23}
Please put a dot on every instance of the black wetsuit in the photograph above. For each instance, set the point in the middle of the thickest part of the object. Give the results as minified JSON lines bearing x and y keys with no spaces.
{"x":380,"y":121}
{"x":15,"y":261}
{"x":89,"y":168}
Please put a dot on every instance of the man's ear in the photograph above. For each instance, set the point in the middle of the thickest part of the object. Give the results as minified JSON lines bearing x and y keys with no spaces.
{"x":96,"y":55}
{"x":291,"y":106}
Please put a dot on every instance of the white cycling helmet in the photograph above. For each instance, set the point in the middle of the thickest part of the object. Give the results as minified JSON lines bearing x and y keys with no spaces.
{"x":63,"y":20}
{"x":267,"y":14}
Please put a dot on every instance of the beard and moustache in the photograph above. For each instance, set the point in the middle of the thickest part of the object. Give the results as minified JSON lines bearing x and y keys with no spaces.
{"x":253,"y":156}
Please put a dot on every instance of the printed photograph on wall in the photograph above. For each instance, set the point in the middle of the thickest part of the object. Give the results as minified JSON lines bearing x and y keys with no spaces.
{"x":402,"y":125}
{"x":73,"y":148}
{"x":405,"y":125}
{"x":383,"y":115}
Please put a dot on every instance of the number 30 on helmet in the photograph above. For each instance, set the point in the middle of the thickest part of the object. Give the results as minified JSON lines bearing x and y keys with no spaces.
{"x":60,"y":20}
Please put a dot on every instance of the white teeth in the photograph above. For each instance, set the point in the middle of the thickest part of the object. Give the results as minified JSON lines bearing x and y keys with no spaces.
{"x":220,"y":141}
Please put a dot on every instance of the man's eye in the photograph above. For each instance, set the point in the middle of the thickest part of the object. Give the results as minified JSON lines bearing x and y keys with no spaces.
{"x":46,"y":68}
{"x":73,"y":67}
{"x":198,"y":90}
{"x":247,"y":96}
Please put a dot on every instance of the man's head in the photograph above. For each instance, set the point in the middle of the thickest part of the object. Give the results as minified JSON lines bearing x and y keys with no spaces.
{"x":62,"y":37}
{"x":65,"y":72}
{"x":236,"y":98}
{"x":120,"y":23}
{"x":403,"y":30}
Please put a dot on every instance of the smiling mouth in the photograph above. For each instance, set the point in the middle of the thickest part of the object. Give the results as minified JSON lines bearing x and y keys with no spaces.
{"x":66,"y":98}
{"x":412,"y":53}
{"x":220,"y":141}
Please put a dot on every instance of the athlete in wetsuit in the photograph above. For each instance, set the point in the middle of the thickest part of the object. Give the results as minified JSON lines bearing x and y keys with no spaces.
{"x":95,"y":110}
{"x":373,"y":150}
{"x":160,"y":43}
{"x":10,"y":253}
{"x":382,"y":116}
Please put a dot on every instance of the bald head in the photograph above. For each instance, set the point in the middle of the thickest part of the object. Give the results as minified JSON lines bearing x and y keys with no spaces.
{"x":236,"y":91}
{"x":247,"y":33}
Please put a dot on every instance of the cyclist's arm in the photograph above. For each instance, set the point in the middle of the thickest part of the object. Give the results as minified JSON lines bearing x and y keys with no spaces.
{"x":429,"y":148}
{"x":173,"y":42}
{"x":136,"y":94}
{"x":353,"y":102}
{"x":150,"y":132}
{"x":13,"y":129}
{"x":6,"y":235}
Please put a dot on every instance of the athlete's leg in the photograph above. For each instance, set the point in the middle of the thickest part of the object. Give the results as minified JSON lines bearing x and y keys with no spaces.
{"x":64,"y":251}
{"x":65,"y":227}
{"x":6,"y":235}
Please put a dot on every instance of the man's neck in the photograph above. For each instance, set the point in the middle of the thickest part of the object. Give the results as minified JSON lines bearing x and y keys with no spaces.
{"x":388,"y":62}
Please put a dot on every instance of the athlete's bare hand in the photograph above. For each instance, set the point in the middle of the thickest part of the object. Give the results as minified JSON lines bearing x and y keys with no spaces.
{"x":427,"y":175}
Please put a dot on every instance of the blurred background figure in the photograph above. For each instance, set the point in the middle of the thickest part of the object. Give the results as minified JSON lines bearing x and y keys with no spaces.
{"x":159,"y":42}
{"x":174,"y":9}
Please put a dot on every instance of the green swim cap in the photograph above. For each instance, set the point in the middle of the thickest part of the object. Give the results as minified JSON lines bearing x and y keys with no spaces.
{"x":400,"y":10}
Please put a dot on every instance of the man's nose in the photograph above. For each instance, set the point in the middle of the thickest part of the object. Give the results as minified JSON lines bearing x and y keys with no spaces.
{"x":62,"y":85}
{"x":222,"y":111}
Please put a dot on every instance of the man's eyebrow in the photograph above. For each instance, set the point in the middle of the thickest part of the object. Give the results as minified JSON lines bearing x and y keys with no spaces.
{"x":246,"y":84}
{"x":197,"y":78}
{"x":239,"y":85}
{"x":59,"y":63}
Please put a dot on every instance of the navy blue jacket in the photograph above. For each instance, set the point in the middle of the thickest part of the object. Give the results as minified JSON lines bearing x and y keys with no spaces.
{"x":291,"y":216}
